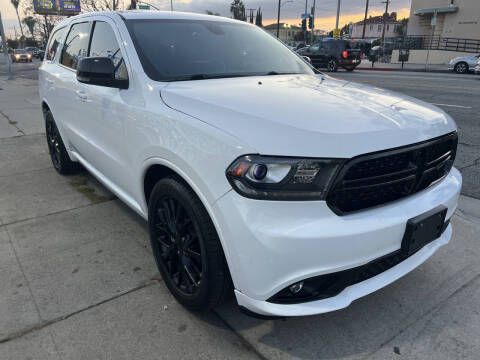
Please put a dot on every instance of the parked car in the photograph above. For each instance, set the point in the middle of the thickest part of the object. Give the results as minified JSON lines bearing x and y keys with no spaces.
{"x":333,"y":53}
{"x":477,"y":67}
{"x":32,"y":51}
{"x":41,"y":54}
{"x":255,"y":172}
{"x":20,"y":55}
{"x":463,"y":64}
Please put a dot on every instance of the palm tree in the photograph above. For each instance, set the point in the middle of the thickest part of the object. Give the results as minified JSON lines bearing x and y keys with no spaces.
{"x":15,"y":4}
{"x":30,"y":21}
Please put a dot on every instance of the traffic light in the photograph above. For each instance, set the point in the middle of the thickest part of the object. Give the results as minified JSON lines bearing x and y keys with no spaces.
{"x":304,"y":24}
{"x":310,"y":22}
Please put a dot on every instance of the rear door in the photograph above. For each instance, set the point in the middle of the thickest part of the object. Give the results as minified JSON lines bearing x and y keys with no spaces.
{"x":72,"y":99}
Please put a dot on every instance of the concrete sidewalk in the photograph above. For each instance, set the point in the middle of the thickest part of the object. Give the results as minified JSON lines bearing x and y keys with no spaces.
{"x":78,"y":279}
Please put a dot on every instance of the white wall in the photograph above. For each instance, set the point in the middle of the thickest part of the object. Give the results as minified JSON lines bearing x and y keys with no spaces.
{"x":436,"y":57}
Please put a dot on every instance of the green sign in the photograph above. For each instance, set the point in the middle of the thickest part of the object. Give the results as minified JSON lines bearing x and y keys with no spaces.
{"x":144,"y":7}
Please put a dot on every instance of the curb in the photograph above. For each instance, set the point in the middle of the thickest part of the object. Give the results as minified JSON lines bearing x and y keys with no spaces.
{"x":404,"y":69}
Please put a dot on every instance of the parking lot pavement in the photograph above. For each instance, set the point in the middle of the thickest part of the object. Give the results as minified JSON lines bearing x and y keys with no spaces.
{"x":78,"y":281}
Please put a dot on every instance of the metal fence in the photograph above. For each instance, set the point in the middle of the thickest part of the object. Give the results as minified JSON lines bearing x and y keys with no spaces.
{"x":436,"y":42}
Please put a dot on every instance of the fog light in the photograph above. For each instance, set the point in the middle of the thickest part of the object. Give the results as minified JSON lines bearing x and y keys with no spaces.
{"x":295,"y":288}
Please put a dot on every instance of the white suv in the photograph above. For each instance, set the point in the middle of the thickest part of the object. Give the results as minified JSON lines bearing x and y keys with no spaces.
{"x":257,"y":174}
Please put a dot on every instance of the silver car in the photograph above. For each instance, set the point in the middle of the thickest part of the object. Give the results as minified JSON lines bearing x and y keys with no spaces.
{"x":477,"y":68}
{"x":463,"y":64}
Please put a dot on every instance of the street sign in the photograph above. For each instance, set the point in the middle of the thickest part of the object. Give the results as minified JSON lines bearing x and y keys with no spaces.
{"x":144,"y":7}
{"x":336,"y":33}
{"x":305,"y":16}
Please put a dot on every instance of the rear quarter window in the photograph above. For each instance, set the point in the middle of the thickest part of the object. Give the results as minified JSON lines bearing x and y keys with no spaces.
{"x":54,"y":43}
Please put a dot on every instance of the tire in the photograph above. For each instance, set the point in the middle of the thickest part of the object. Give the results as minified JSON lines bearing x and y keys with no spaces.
{"x":350,"y":68}
{"x":461,"y":67}
{"x":332,"y":65}
{"x":186,"y":246}
{"x":58,"y":154}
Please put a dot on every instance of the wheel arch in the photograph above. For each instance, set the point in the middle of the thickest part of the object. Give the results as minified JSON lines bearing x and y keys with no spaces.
{"x":156,"y":169}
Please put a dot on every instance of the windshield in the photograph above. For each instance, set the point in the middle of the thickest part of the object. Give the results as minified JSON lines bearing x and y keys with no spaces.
{"x":173,"y":50}
{"x":20,"y":51}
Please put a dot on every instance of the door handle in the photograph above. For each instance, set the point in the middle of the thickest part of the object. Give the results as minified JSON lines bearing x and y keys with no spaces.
{"x":82,"y":95}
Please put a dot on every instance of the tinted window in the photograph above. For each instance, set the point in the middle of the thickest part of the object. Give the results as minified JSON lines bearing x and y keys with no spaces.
{"x":172,"y":50}
{"x":20,"y":51}
{"x":76,"y":45}
{"x":54,"y":44}
{"x":105,"y":44}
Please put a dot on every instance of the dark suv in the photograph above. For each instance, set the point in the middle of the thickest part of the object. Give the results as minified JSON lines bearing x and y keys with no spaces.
{"x":332,"y":53}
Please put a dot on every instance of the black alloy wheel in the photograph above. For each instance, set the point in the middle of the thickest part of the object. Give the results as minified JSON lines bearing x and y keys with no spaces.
{"x":178,"y":239}
{"x":60,"y":159}
{"x":186,"y":246}
{"x":332,"y":65}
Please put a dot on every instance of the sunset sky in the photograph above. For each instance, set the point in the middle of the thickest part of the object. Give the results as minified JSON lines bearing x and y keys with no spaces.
{"x":350,"y":11}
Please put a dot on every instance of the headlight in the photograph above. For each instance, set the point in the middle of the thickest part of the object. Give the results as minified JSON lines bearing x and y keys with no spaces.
{"x":29,"y":55}
{"x":17,"y":56}
{"x":282,"y":178}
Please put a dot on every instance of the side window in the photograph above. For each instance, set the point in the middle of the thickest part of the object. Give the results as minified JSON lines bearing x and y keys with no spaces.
{"x":54,"y":44}
{"x":105,"y":44}
{"x":314,"y":47}
{"x":76,"y":45}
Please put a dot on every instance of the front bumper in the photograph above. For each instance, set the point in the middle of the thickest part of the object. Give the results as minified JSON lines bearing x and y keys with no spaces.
{"x":270,"y":245}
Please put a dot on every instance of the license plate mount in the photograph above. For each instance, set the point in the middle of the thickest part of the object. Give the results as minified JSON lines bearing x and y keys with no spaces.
{"x":423,"y":229}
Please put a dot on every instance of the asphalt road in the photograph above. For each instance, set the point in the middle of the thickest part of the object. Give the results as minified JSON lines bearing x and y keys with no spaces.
{"x":458,"y":95}
{"x":25,"y":70}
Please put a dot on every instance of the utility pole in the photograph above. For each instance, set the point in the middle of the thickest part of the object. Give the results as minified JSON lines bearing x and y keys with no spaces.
{"x":313,"y":19}
{"x":305,"y":31}
{"x":365,"y":20}
{"x":5,"y":49}
{"x":338,"y":14}
{"x":278,"y":19}
{"x":386,"y":2}
{"x":171,"y":5}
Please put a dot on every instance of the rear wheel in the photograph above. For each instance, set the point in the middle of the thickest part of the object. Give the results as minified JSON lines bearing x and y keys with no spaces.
{"x":461,"y":68}
{"x":332,"y":65}
{"x":58,"y":154}
{"x":186,"y":246}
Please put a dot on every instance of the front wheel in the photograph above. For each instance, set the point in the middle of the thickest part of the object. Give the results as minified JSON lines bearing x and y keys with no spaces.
{"x":186,"y":246}
{"x":461,"y":68}
{"x":332,"y":65}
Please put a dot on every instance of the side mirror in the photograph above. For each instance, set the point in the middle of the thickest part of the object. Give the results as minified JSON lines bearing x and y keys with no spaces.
{"x":308,"y":59}
{"x":99,"y":71}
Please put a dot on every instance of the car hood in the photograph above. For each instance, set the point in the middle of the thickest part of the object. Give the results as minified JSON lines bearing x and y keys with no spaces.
{"x":303,"y":115}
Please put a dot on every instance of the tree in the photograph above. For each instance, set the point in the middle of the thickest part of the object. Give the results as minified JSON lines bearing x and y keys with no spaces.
{"x":100,"y":5}
{"x":237,"y":8}
{"x":258,"y":18}
{"x":30,"y":22}
{"x":15,"y":4}
{"x":401,"y":29}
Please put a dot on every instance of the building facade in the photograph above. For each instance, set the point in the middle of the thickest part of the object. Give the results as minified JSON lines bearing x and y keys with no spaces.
{"x":452,"y":18}
{"x":374,"y":27}
{"x":287,"y":32}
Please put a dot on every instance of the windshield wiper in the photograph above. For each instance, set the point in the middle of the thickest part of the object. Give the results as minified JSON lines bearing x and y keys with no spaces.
{"x":206,"y":76}
{"x":281,"y":73}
